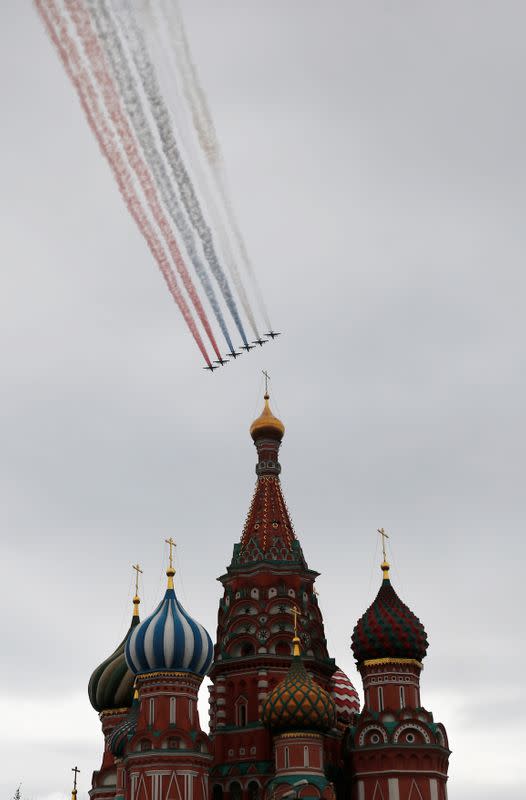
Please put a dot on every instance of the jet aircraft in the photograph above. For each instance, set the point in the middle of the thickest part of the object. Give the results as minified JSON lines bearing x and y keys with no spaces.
{"x":221,"y":361}
{"x":273,"y":334}
{"x":211,"y":367}
{"x":261,"y":342}
{"x":246,"y":347}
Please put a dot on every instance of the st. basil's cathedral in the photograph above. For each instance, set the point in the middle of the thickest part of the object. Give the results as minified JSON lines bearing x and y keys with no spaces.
{"x":285,"y":722}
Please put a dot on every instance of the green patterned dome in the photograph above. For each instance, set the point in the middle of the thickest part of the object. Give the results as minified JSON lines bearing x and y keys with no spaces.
{"x":298,"y":703}
{"x":111,"y":685}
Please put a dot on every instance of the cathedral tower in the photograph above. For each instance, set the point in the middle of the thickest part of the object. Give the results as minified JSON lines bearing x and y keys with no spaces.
{"x":396,"y":751}
{"x":267,"y":578}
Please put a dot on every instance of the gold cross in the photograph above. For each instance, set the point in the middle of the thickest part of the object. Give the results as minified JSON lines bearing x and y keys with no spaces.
{"x":137,"y":569}
{"x":295,"y":613}
{"x":76,"y":770}
{"x":170,"y":542}
{"x":384,"y":536}
{"x":267,"y":378}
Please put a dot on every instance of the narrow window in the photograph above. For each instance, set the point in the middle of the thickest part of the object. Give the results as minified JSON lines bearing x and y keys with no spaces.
{"x":286,"y":757}
{"x":152,"y":711}
{"x":305,"y":756}
{"x":172,"y":711}
{"x":191,"y":710}
{"x":402,"y":697}
{"x":380,"y":699}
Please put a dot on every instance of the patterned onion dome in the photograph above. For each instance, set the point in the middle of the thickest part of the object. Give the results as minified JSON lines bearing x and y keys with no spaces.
{"x":388,"y":629}
{"x":298,"y":703}
{"x":267,"y":424}
{"x":345,"y":697}
{"x":169,"y":639}
{"x":111,"y":685}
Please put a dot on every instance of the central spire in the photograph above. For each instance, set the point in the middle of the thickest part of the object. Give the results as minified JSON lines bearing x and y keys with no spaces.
{"x":268,"y":534}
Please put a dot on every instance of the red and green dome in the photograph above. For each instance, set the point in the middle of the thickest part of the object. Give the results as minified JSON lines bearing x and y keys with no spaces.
{"x":388,"y":629}
{"x":298,"y":703}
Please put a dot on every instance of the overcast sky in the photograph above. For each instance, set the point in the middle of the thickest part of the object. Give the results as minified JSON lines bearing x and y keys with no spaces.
{"x":376,"y":157}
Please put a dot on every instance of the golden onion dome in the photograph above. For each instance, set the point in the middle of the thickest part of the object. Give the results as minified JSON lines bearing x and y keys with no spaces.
{"x":298,"y":702}
{"x":267,"y":424}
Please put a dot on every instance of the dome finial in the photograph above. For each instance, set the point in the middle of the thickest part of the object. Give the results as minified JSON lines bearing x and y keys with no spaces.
{"x":267,"y":425}
{"x":136,"y":599}
{"x":170,"y":571}
{"x":76,"y":770}
{"x":296,"y":645}
{"x":385,"y":563}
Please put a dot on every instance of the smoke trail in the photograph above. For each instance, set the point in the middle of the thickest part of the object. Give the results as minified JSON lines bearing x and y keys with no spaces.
{"x":67,"y":50}
{"x":110,"y":40}
{"x":95,"y":55}
{"x":206,"y":133}
{"x":160,"y":114}
{"x":158,"y":44}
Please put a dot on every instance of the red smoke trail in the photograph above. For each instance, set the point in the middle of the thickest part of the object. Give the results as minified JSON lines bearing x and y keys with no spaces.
{"x":71,"y":59}
{"x":82,"y":20}
{"x":58,"y":33}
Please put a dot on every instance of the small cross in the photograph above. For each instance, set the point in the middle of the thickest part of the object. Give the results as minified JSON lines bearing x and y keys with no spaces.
{"x":384,"y":536}
{"x":170,"y":542}
{"x":137,"y":569}
{"x":295,"y":613}
{"x":267,"y":378}
{"x":76,"y":770}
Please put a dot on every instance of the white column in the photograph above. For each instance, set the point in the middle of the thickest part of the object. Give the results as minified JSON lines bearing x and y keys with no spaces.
{"x":433,"y":788}
{"x":394,"y":791}
{"x":361,"y":790}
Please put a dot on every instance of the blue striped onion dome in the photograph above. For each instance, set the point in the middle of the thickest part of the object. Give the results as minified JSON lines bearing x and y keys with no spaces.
{"x":169,"y":639}
{"x":111,"y":684}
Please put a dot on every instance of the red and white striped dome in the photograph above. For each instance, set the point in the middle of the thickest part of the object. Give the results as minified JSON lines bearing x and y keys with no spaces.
{"x":345,"y":696}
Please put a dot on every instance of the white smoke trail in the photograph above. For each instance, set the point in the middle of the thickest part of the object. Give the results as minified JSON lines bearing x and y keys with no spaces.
{"x":97,"y":61}
{"x":159,"y":111}
{"x":109,"y":37}
{"x":206,"y":132}
{"x":157,"y":44}
{"x":70,"y":57}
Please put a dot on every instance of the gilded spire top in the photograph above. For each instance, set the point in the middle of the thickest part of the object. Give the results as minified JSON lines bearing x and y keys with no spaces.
{"x":76,"y":771}
{"x":385,"y":564}
{"x":170,"y":572}
{"x":267,"y":424}
{"x":136,"y":599}
{"x":296,"y":646}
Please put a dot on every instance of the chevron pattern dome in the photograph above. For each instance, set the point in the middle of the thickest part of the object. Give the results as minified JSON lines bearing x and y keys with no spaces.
{"x":345,"y":697}
{"x":169,"y":639}
{"x":298,"y":703}
{"x":388,"y":629}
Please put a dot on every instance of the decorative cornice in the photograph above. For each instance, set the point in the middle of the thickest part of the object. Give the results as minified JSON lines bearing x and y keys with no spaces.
{"x":299,"y":735}
{"x":373,"y":662}
{"x":144,"y":676}
{"x":113,"y":712}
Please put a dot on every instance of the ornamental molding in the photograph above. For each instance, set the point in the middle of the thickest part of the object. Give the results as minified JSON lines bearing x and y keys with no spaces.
{"x":112,"y":712}
{"x":373,"y":662}
{"x":411,"y":726}
{"x":376,"y":729}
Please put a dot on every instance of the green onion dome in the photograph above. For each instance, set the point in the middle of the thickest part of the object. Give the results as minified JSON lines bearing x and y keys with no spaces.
{"x":298,"y":703}
{"x":111,"y":685}
{"x":388,"y":629}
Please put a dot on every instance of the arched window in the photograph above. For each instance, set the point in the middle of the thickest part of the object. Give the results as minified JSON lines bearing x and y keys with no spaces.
{"x":247,"y":649}
{"x":144,"y":745}
{"x":173,"y":743}
{"x":402,"y":697}
{"x":286,"y":758}
{"x":380,"y":699}
{"x":241,"y":711}
{"x":235,"y":791}
{"x":151,"y":718}
{"x":305,"y":756}
{"x":253,"y":791}
{"x":172,"y":710}
{"x":217,"y":792}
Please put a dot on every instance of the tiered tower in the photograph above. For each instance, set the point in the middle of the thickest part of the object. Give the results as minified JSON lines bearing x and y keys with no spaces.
{"x":298,"y":712}
{"x":110,"y":691}
{"x":395,"y":749}
{"x":267,"y":578}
